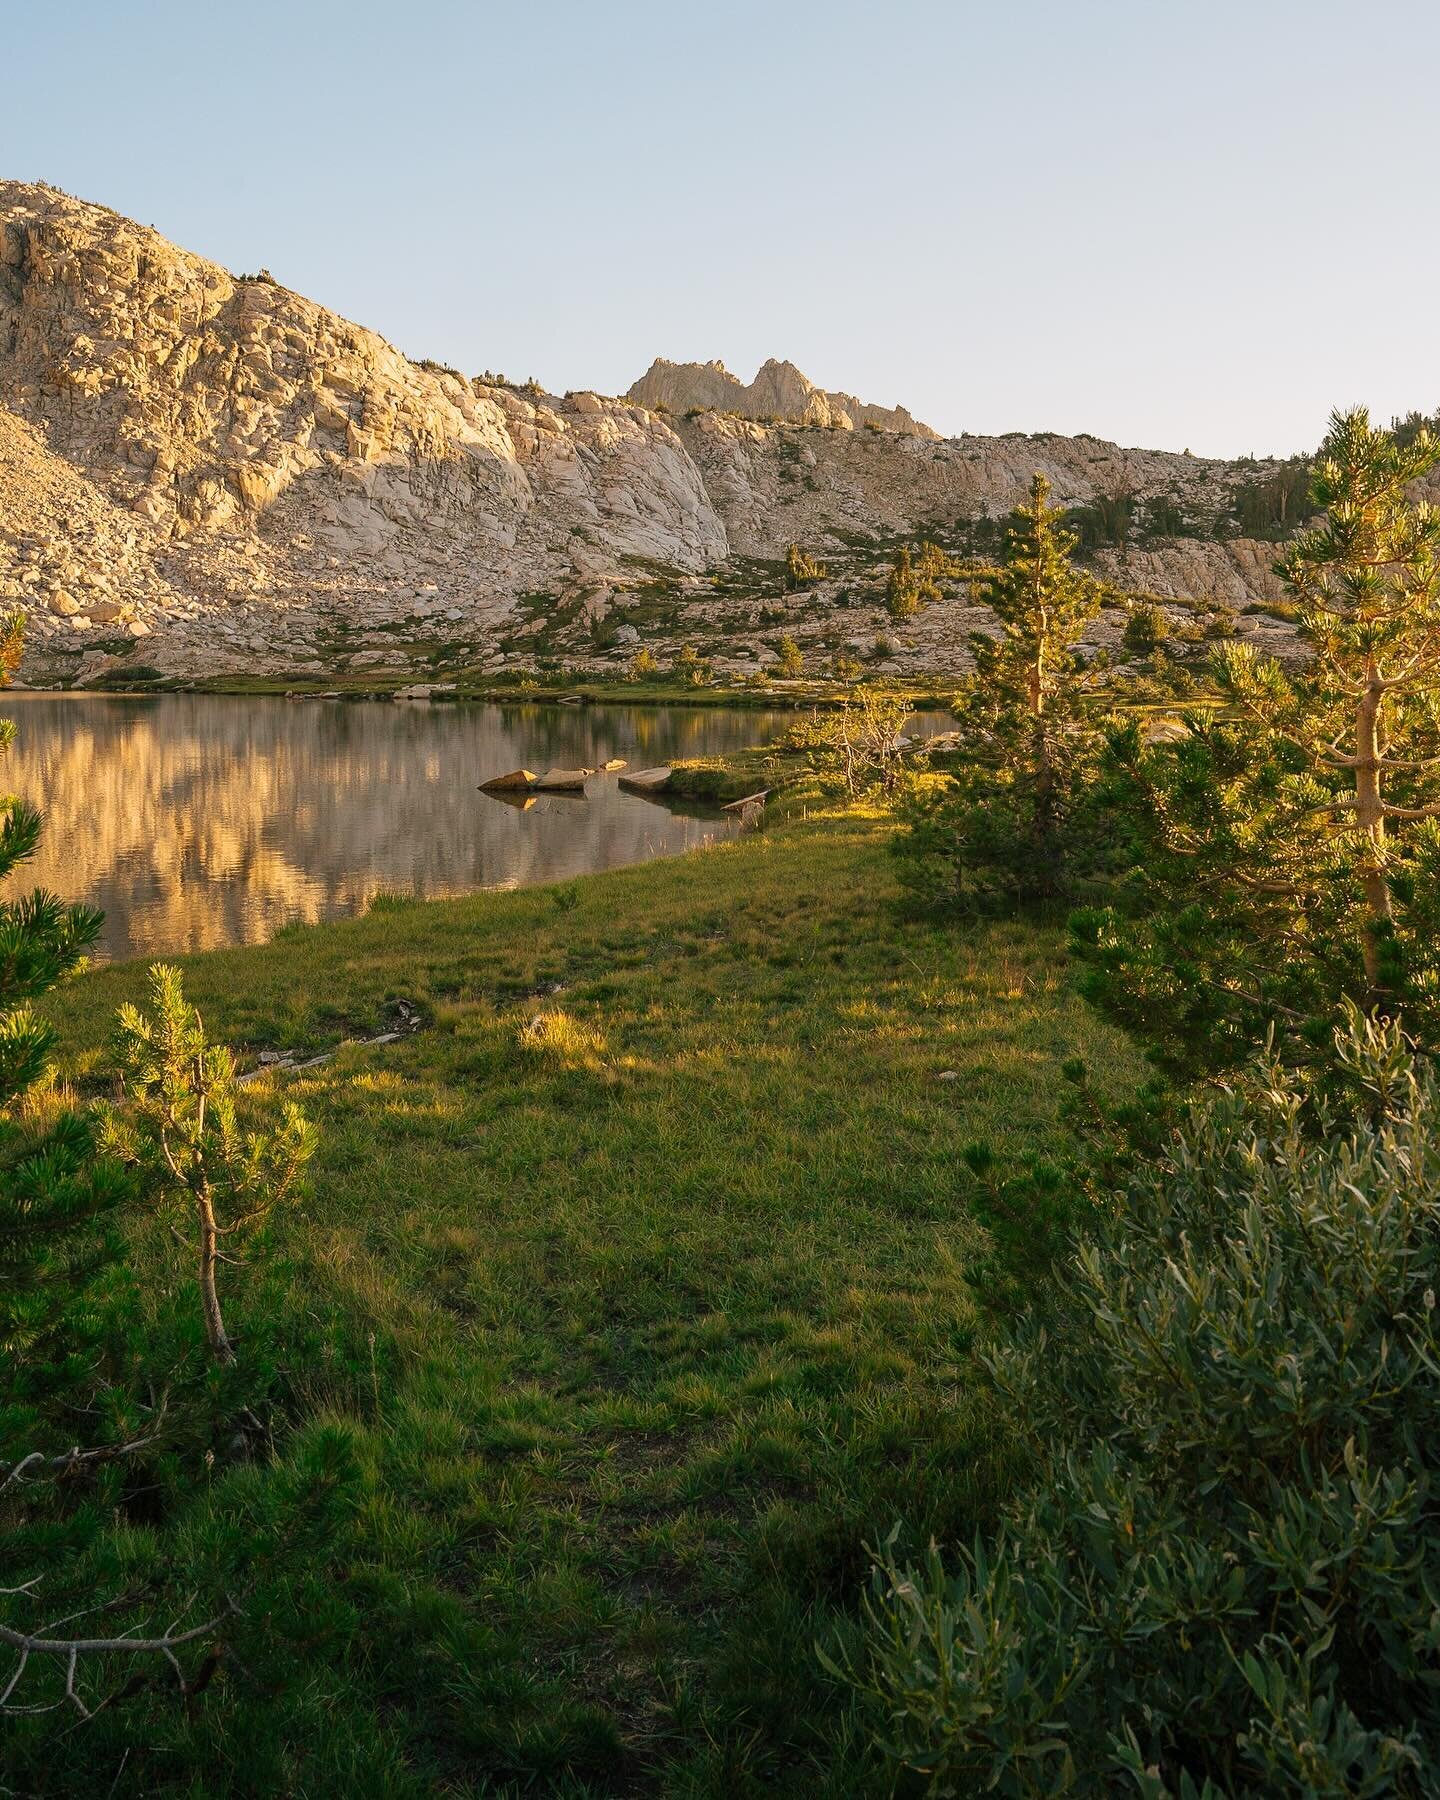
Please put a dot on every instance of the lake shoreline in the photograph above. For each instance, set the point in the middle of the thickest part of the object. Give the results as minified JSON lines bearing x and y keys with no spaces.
{"x":792,"y":697}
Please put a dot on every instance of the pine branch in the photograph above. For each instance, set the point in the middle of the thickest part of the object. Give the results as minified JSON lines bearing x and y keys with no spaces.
{"x":37,"y":1462}
{"x":71,"y":1649}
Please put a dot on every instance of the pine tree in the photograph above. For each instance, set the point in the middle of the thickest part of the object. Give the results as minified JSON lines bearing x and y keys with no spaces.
{"x":914,"y":582}
{"x":1009,"y":825}
{"x":1146,"y":629}
{"x":181,"y":1133}
{"x":801,"y":569}
{"x":1287,"y":854}
{"x":55,"y":1193}
{"x":791,"y":663}
{"x":902,"y":588}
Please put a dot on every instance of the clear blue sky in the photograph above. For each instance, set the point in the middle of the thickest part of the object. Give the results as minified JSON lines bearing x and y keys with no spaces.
{"x":1170,"y":222}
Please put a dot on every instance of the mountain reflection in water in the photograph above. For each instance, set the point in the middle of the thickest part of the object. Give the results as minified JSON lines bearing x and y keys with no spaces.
{"x":197,"y":820}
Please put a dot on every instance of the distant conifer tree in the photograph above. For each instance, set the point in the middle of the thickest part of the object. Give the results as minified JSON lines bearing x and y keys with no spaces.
{"x":801,"y":570}
{"x":1007,"y":825}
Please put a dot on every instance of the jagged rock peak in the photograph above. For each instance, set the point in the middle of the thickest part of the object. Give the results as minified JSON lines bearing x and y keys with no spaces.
{"x":779,"y":390}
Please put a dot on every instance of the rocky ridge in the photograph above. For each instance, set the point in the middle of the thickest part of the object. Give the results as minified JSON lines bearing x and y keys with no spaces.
{"x":205,"y":475}
{"x":779,"y":394}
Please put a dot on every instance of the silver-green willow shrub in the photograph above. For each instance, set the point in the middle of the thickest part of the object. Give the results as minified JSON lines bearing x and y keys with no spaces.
{"x":1227,"y":1578}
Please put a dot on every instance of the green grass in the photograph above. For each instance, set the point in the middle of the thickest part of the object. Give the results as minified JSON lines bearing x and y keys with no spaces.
{"x":640,"y":1273}
{"x":718,"y":780}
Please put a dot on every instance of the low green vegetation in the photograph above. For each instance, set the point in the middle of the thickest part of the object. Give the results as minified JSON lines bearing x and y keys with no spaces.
{"x":629,"y":1304}
{"x":1225,"y":1560}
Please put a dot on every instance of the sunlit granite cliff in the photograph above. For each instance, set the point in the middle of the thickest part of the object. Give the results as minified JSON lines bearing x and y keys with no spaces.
{"x":204,"y":473}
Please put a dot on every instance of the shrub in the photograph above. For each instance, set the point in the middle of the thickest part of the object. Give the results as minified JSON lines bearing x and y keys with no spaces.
{"x":801,"y":571}
{"x":643,"y":665}
{"x":791,"y":664}
{"x":697,"y":671}
{"x":1220,"y":622}
{"x":1224,"y":1579}
{"x":1146,"y":629}
{"x":859,"y":741}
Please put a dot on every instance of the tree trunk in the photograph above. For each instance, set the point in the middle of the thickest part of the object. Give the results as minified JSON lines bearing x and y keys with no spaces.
{"x":220,"y":1346}
{"x":1044,"y":819}
{"x":1370,"y":816}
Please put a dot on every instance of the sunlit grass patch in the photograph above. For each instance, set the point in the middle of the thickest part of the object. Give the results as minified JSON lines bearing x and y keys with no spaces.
{"x":555,"y":1037}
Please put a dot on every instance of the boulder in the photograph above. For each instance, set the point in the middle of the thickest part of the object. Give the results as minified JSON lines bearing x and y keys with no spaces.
{"x":518,"y":781}
{"x":647,"y":781}
{"x":562,"y":781}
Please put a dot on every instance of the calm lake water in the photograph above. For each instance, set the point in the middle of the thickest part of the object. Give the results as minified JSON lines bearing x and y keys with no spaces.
{"x":197,"y":821}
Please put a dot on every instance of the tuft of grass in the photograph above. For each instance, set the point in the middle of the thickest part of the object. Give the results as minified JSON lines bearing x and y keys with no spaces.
{"x":556,"y":1038}
{"x":390,"y":900}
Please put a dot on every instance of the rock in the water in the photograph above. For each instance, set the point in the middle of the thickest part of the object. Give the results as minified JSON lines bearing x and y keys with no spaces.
{"x":562,"y":781}
{"x":647,"y":781}
{"x":518,"y":781}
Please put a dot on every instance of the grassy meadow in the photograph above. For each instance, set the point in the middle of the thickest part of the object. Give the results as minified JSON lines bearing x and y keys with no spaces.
{"x":641,"y":1279}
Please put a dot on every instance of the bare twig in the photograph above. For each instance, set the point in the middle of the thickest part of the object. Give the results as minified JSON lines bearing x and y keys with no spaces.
{"x":70,"y":1650}
{"x":38,"y":1463}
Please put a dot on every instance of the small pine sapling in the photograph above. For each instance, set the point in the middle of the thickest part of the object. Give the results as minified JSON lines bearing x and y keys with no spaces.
{"x":181,"y":1134}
